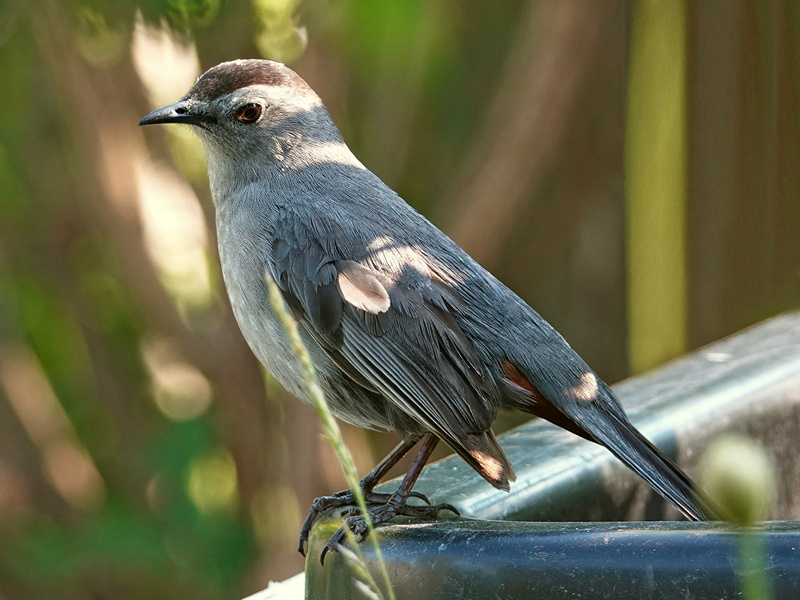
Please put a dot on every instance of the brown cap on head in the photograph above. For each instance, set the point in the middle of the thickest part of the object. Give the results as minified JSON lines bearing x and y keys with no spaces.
{"x":231,"y":76}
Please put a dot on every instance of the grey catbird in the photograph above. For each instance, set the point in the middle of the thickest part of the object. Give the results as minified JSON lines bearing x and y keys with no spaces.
{"x":406,"y":331}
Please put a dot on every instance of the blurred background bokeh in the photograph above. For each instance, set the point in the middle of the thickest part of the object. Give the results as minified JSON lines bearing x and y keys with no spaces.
{"x":630,"y":168}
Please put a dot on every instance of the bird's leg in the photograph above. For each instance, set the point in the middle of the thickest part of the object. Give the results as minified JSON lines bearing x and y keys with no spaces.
{"x":396,"y":504}
{"x":347,"y":498}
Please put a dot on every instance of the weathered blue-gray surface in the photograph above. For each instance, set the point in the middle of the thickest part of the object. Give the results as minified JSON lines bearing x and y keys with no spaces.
{"x":562,"y":561}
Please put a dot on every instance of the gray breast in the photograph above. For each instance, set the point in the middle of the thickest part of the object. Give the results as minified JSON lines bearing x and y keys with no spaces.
{"x":243,"y":256}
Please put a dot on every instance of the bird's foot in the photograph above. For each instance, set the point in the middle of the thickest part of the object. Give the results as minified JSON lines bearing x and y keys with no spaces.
{"x":392,"y":507}
{"x":345,"y":498}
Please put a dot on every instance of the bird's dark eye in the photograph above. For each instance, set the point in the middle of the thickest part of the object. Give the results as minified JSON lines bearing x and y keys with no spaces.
{"x":249,"y":113}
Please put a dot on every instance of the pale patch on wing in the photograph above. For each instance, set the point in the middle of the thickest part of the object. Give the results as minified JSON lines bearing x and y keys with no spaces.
{"x":490,"y":465}
{"x":446,"y":273}
{"x":360,"y":288}
{"x":587,"y":389}
{"x":380,"y":243}
{"x":397,"y":257}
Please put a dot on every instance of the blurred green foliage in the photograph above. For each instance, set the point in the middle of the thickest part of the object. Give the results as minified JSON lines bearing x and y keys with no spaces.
{"x":503,"y":122}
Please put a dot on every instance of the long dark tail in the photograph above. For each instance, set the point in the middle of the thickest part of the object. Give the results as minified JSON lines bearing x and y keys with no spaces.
{"x":625,"y":442}
{"x":599,"y":418}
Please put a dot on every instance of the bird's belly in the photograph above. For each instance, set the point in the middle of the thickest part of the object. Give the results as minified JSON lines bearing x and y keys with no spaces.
{"x":263,"y":331}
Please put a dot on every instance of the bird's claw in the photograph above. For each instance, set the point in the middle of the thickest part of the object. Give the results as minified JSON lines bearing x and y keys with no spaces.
{"x":379,"y":515}
{"x":344,"y":498}
{"x":319,"y":506}
{"x":323,"y":503}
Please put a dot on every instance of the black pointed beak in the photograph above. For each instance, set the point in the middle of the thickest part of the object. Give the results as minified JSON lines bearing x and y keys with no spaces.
{"x":180,"y":112}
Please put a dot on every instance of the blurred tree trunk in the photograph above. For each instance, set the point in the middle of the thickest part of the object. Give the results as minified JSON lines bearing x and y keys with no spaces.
{"x":556,"y":44}
{"x":538,"y":198}
{"x":744,"y":163}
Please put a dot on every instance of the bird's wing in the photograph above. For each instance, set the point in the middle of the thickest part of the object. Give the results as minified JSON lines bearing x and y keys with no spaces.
{"x":390,"y":325}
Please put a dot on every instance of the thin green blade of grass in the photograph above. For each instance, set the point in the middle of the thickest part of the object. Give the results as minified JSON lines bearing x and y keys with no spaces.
{"x":754,"y":567}
{"x":739,"y":476}
{"x":330,"y":429}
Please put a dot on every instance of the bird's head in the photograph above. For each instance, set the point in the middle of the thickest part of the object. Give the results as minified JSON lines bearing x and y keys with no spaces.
{"x":251,"y":110}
